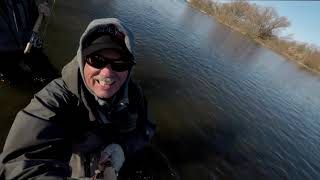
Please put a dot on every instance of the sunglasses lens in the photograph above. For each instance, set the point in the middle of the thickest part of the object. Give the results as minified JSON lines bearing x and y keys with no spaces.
{"x":96,"y":61}
{"x":100,"y":62}
{"x":120,"y":66}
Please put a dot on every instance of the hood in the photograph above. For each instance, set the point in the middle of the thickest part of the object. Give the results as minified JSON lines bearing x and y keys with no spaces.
{"x":72,"y":73}
{"x":101,"y":26}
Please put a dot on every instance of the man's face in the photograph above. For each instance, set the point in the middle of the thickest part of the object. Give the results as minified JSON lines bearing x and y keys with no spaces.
{"x":104,"y":82}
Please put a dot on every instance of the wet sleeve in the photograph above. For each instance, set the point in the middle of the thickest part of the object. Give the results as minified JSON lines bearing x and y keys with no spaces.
{"x":37,"y":145}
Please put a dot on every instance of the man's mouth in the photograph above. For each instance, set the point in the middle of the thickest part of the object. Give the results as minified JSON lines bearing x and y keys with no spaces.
{"x":105,"y":81}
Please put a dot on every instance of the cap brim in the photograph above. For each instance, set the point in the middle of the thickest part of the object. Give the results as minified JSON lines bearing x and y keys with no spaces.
{"x":97,"y":47}
{"x":103,"y":42}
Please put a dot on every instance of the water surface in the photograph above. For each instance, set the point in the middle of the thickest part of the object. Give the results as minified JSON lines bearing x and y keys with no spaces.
{"x":226,"y":107}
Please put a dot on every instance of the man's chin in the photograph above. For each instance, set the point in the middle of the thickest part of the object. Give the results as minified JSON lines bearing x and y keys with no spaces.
{"x":104,"y":95}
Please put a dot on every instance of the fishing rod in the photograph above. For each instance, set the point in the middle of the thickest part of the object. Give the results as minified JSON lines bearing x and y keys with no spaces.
{"x":35,"y":39}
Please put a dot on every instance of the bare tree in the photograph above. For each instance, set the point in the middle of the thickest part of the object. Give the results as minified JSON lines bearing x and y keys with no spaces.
{"x":269,"y":22}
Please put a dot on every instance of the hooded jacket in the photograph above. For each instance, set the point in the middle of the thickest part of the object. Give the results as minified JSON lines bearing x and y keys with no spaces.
{"x":61,"y":117}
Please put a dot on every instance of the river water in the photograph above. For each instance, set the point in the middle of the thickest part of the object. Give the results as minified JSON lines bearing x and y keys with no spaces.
{"x":226,"y":108}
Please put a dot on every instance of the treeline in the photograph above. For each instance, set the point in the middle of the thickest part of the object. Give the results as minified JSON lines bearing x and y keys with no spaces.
{"x":263,"y":24}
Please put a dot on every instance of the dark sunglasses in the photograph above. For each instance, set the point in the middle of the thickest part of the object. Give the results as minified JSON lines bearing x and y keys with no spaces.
{"x":98,"y":61}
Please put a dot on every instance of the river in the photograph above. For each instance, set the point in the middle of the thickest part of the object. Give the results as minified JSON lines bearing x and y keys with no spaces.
{"x":226,"y":107}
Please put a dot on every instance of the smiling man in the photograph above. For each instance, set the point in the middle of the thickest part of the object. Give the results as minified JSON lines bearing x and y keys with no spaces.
{"x":106,"y":70}
{"x":91,"y":118}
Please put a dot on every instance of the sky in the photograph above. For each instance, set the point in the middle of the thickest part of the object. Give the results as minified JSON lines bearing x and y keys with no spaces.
{"x":304,"y":17}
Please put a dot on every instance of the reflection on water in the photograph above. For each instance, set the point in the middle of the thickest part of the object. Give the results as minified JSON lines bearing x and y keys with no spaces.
{"x":33,"y":68}
{"x":225,"y":106}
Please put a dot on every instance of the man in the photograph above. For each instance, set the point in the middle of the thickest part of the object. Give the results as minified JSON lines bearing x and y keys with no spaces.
{"x":95,"y":107}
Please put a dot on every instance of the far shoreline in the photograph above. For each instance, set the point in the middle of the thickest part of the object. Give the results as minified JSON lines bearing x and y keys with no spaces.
{"x":259,"y":40}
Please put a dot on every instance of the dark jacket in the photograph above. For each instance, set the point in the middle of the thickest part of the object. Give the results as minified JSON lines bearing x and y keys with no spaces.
{"x":43,"y":135}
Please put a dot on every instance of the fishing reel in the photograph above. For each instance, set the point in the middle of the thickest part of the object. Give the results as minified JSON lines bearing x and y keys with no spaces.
{"x":36,"y":40}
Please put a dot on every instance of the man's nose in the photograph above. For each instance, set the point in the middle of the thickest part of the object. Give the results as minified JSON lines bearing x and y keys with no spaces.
{"x":106,"y":70}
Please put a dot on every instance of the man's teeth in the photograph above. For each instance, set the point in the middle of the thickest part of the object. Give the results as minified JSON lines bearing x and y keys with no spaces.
{"x":106,"y":81}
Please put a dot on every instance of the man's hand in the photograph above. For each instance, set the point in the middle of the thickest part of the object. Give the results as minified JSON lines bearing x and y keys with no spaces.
{"x":113,"y":153}
{"x":44,"y":9}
